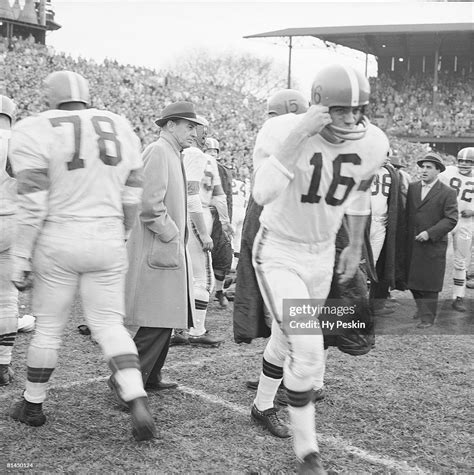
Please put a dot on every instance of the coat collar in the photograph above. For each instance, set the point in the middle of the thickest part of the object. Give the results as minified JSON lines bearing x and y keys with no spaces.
{"x":167,"y":137}
{"x":434,"y":190}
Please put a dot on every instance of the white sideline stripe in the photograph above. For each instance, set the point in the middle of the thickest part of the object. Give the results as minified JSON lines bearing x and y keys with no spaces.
{"x":73,"y":384}
{"x":337,"y":442}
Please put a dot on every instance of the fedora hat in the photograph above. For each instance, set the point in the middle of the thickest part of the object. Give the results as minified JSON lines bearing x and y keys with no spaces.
{"x":433,"y":158}
{"x":178,"y":110}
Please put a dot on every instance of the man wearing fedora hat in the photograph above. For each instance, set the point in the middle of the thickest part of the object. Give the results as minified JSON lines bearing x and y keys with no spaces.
{"x":432,"y":213}
{"x":159,"y":279}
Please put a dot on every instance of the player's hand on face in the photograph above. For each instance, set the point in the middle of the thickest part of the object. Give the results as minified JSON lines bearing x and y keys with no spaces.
{"x":22,"y":276}
{"x":207,"y":243}
{"x":349,"y":261}
{"x":315,"y":119}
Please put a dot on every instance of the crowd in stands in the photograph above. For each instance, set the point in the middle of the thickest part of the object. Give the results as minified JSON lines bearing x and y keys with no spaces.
{"x":402,"y":108}
{"x":405,"y":106}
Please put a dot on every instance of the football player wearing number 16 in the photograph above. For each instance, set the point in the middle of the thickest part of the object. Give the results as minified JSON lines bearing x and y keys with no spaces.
{"x":311,"y":169}
{"x":79,"y":174}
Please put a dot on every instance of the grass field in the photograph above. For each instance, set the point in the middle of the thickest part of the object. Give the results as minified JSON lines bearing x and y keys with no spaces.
{"x":403,"y":408}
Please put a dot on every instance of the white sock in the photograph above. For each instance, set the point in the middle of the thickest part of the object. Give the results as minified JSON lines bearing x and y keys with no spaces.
{"x":267,"y":389}
{"x":304,"y":429}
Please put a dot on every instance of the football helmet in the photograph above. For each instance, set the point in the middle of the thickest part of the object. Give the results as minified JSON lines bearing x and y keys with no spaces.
{"x":66,"y":86}
{"x":465,"y":160}
{"x":211,"y":143}
{"x":287,"y":101}
{"x":8,"y":108}
{"x":201,"y":132}
{"x":344,"y":86}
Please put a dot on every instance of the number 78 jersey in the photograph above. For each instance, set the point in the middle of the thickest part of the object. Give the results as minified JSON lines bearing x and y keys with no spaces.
{"x":327,"y":179}
{"x":75,"y":163}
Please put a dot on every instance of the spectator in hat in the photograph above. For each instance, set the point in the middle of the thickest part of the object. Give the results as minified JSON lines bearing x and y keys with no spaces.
{"x":432,"y":213}
{"x":159,"y":280}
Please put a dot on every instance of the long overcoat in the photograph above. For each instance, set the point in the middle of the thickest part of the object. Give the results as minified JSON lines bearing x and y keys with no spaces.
{"x":159,"y":279}
{"x":437,"y":214}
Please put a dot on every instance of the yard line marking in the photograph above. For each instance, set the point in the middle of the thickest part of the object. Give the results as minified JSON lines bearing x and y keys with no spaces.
{"x":336,"y":442}
{"x":98,"y":379}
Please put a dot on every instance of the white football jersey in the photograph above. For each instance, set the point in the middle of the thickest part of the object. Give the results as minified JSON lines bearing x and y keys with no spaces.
{"x":464,"y":186}
{"x":240,"y":193}
{"x":201,"y":167}
{"x":380,"y":190}
{"x":86,"y":155}
{"x":326,"y":179}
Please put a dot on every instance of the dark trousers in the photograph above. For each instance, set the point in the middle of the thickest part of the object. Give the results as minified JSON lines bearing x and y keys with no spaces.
{"x":152,"y":345}
{"x":426,"y":304}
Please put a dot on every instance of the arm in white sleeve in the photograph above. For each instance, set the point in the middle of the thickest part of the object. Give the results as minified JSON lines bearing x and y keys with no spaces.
{"x":131,"y":197}
{"x":220,"y":203}
{"x":271,"y":178}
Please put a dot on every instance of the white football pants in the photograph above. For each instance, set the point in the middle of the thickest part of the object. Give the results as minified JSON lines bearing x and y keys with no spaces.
{"x":462,"y":242}
{"x":91,"y":256}
{"x":203,"y":275}
{"x":378,"y":230}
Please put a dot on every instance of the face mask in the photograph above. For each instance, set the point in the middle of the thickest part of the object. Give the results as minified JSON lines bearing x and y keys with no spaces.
{"x":4,"y":141}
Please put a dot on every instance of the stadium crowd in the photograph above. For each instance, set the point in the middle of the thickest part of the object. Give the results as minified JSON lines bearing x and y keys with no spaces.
{"x":400,"y":108}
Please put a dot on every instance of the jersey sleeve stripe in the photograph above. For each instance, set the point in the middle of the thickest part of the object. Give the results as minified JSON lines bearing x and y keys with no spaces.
{"x":135,"y":179}
{"x":32,"y":180}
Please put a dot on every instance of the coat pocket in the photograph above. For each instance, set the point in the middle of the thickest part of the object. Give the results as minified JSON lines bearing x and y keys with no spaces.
{"x":164,"y":255}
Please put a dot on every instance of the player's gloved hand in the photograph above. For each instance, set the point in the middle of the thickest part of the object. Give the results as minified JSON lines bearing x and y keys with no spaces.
{"x":228,"y":230}
{"x":315,"y":119}
{"x":22,"y":276}
{"x":207,"y":243}
{"x":348,"y":263}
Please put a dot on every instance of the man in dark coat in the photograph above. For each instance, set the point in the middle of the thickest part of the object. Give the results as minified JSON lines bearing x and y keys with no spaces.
{"x":432,"y":213}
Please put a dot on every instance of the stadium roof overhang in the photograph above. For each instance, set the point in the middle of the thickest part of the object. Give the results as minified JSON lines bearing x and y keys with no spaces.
{"x":456,"y":39}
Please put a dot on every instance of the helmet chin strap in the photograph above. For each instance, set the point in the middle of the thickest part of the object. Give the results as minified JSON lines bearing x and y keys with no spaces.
{"x":336,"y":134}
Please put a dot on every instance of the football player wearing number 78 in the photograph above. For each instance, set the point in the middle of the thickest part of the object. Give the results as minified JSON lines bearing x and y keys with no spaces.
{"x":79,"y":175}
{"x":311,"y":169}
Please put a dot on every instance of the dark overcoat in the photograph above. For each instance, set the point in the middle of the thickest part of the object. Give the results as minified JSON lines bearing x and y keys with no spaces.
{"x":437,"y":214}
{"x":159,"y":279}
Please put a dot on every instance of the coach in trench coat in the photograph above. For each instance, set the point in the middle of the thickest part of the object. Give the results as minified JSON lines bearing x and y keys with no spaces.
{"x":159,"y":280}
{"x":436,"y":215}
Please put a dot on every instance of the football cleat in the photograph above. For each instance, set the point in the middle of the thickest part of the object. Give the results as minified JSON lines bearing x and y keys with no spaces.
{"x":311,"y":465}
{"x":459,"y":305}
{"x":28,"y":413}
{"x":66,"y":86}
{"x":222,"y":299}
{"x":269,"y":419}
{"x":6,"y":374}
{"x":143,"y":426}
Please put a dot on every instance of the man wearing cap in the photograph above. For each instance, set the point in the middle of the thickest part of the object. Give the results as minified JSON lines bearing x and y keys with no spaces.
{"x":8,"y":292}
{"x":432,"y":213}
{"x":159,"y":281}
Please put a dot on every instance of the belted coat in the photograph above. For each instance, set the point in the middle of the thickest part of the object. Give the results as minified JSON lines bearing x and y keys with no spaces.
{"x":437,"y":214}
{"x":159,"y":279}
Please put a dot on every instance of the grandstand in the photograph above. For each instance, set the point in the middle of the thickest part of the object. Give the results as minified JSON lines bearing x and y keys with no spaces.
{"x":402,"y":101}
{"x":423,"y":92}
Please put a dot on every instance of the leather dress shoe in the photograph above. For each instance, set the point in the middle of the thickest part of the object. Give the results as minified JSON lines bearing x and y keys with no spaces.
{"x":205,"y":340}
{"x":459,"y":305}
{"x":424,"y":325}
{"x":160,"y":386}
